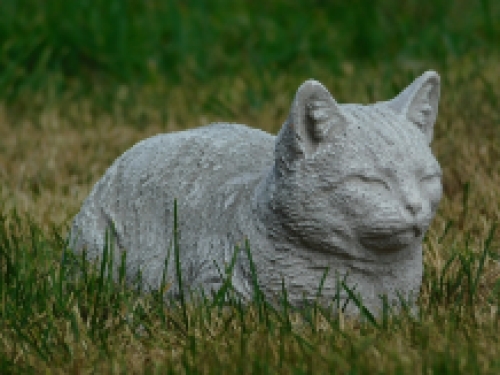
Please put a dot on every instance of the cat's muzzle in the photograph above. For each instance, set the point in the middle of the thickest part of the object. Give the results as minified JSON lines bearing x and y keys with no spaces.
{"x":393,"y":240}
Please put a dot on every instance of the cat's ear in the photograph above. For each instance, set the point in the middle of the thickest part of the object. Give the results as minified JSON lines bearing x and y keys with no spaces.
{"x":419,"y":102}
{"x":313,"y":116}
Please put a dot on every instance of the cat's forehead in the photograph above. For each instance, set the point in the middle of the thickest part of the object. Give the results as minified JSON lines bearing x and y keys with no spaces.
{"x":379,"y":124}
{"x":380,"y":132}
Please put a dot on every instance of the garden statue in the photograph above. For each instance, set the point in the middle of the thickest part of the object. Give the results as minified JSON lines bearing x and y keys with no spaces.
{"x":345,"y":191}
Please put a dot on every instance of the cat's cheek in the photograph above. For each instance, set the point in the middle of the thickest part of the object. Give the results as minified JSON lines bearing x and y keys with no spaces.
{"x":366,"y":198}
{"x":355,"y":204}
{"x":433,"y":188}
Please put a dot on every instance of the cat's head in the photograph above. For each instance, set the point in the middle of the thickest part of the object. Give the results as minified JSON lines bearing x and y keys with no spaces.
{"x":353,"y":177}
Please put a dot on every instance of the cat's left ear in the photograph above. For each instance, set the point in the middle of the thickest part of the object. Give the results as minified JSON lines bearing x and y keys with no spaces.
{"x":419,"y":102}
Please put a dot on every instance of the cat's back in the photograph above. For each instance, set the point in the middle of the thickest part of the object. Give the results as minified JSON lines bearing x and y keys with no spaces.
{"x":191,"y":163}
{"x":218,"y":150}
{"x":204,"y":169}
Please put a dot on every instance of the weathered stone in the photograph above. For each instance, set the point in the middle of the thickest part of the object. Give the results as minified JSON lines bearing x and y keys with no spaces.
{"x":351,"y":188}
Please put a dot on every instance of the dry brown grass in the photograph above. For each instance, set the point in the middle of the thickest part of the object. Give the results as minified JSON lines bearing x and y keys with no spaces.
{"x":50,"y":158}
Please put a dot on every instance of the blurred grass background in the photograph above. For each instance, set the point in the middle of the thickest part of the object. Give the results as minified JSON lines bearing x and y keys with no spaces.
{"x":84,"y":43}
{"x":81,"y":81}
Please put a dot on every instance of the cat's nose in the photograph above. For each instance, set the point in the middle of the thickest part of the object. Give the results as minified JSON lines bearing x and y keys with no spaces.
{"x":414,"y":206}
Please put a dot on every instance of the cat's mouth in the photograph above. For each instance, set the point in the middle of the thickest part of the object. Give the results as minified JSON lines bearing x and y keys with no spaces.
{"x":391,"y":240}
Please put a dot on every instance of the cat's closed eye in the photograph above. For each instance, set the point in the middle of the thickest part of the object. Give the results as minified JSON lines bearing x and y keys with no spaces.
{"x":431,"y":178}
{"x":372,"y":180}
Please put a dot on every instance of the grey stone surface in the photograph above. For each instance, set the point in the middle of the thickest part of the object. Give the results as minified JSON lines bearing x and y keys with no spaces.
{"x":349,"y":187}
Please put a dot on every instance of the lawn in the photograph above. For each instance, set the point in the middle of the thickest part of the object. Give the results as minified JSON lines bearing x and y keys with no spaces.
{"x":81,"y":82}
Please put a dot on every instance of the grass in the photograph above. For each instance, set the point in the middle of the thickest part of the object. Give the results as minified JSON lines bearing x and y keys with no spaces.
{"x":81,"y":82}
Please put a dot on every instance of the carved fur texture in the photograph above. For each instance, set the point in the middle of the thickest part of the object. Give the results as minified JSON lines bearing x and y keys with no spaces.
{"x":346,"y":188}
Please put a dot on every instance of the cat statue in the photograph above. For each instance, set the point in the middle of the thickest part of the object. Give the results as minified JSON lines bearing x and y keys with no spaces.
{"x":344,"y":193}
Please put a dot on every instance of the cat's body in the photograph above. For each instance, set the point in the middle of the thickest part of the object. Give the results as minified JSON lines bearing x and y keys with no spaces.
{"x":346,"y":187}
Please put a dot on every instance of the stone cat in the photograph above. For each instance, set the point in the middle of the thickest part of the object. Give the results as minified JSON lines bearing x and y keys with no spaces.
{"x":349,"y":187}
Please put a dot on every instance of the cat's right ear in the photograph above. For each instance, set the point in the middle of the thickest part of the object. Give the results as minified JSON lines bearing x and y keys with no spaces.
{"x":314,"y":116}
